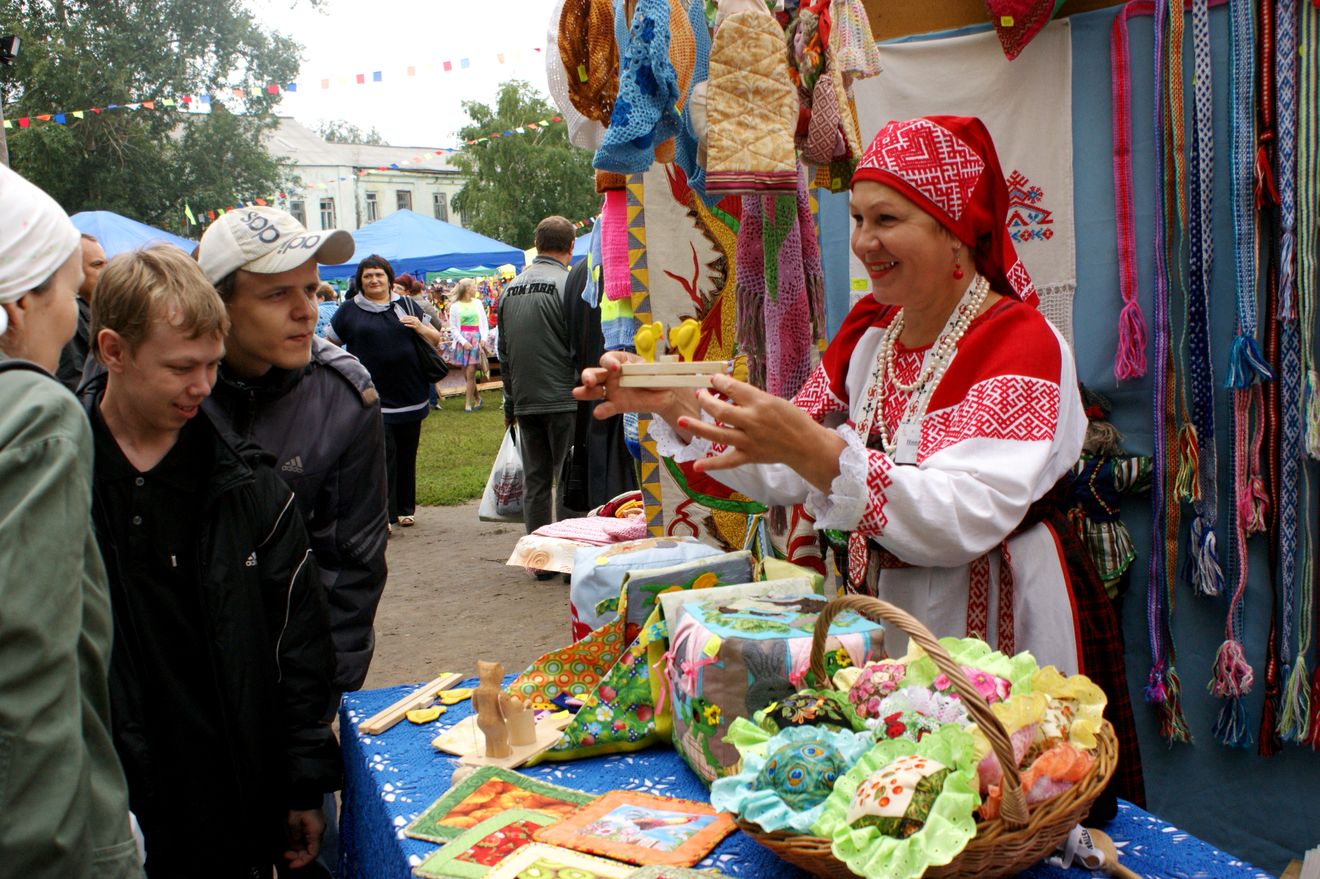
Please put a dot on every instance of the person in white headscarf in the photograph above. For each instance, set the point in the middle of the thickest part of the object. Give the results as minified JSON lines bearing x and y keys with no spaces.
{"x":64,"y":799}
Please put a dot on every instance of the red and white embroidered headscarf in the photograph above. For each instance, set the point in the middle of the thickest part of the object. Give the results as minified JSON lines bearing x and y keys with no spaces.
{"x":948,"y":167}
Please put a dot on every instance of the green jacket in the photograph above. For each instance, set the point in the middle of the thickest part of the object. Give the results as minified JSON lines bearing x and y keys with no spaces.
{"x":63,"y":800}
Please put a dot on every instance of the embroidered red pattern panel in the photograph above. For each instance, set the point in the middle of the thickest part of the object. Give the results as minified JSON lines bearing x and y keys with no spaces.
{"x":1008,"y":407}
{"x":935,"y":162}
{"x":978,"y":597}
{"x":815,"y":397}
{"x":874,"y":520}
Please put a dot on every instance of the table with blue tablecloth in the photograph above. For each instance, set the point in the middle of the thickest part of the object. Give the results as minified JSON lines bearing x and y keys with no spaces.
{"x":390,"y":779}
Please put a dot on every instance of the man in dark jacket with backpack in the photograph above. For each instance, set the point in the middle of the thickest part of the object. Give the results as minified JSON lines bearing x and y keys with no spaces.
{"x":221,"y":670}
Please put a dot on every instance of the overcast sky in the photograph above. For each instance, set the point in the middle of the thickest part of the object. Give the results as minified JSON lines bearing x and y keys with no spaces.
{"x":349,"y":37}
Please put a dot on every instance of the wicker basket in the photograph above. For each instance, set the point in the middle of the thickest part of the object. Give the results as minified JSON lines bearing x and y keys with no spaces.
{"x":1005,"y":846}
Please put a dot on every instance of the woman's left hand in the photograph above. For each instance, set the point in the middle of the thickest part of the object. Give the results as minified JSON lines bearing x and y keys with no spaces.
{"x":760,"y":428}
{"x":411,"y":322}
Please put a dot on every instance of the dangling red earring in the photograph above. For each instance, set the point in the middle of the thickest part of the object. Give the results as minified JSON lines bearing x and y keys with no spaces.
{"x":957,"y":271}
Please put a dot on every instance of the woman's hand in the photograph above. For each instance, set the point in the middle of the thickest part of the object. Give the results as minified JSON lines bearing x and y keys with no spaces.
{"x":427,"y":332}
{"x":602,"y":383}
{"x":760,"y":428}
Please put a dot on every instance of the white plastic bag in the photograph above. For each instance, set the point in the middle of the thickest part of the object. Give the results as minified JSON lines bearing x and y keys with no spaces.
{"x":502,"y":501}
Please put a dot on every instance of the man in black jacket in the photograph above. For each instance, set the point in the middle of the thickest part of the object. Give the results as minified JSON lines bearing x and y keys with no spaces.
{"x":308,"y":403}
{"x":221,"y":669}
{"x":74,"y":355}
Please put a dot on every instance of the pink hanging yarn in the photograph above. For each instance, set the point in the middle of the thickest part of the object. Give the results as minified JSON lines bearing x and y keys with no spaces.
{"x":614,"y":245}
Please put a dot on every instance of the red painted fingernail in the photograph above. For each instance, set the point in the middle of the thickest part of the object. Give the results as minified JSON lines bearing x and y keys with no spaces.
{"x":683,"y":423}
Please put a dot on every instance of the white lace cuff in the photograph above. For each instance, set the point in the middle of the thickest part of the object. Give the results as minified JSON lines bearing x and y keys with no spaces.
{"x":668,"y":445}
{"x":845,"y":504}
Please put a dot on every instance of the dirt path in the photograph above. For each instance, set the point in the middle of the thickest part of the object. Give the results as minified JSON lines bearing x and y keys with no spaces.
{"x":450,"y":600}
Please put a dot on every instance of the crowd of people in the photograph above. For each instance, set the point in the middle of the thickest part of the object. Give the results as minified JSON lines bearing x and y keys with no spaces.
{"x":194,"y":538}
{"x":220,"y":493}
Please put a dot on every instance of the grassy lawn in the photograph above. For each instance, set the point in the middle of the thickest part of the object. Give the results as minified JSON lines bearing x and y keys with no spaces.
{"x":457,"y":450}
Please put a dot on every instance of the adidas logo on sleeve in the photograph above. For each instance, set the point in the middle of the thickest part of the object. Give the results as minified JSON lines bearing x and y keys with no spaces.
{"x":293,"y":465}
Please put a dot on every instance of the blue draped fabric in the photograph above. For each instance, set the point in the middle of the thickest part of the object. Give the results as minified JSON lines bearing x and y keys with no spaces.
{"x":392,"y":778}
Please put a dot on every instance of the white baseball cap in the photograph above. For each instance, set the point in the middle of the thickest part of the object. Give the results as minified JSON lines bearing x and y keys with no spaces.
{"x":267,"y":241}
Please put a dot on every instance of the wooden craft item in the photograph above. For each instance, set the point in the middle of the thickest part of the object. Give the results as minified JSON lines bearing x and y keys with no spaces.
{"x":465,"y":741}
{"x":539,"y":859}
{"x":419,"y":698}
{"x":490,"y":712}
{"x":669,"y":373}
{"x":522,"y":721}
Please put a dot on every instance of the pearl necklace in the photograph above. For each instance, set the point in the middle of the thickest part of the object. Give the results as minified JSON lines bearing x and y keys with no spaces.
{"x":933,"y":366}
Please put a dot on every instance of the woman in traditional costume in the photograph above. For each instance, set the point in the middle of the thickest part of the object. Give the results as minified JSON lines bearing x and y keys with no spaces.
{"x":936,"y":426}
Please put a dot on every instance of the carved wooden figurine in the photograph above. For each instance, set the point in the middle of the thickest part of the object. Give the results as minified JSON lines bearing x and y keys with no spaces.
{"x":490,"y":711}
{"x":521,"y":719}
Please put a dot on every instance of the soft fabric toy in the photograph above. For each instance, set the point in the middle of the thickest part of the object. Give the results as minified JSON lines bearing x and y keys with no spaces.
{"x":809,"y":708}
{"x":1099,"y":478}
{"x":802,"y":773}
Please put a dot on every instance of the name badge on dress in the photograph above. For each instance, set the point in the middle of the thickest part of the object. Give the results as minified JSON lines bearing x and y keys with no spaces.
{"x":906,"y":443}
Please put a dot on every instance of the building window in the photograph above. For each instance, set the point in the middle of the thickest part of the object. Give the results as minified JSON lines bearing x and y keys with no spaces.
{"x":298,"y":208}
{"x":328,"y":213}
{"x":404,"y":199}
{"x":373,"y":209}
{"x":441,"y":203}
{"x":463,"y":218}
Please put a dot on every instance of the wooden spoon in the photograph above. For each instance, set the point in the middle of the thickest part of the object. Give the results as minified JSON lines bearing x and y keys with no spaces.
{"x":1111,"y":866}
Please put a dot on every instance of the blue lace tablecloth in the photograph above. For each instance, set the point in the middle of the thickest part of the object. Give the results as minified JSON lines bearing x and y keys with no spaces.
{"x":390,"y":779}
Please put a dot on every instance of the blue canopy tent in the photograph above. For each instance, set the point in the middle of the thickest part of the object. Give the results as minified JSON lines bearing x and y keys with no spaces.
{"x":581,"y":246}
{"x":417,"y":244}
{"x":118,"y":233}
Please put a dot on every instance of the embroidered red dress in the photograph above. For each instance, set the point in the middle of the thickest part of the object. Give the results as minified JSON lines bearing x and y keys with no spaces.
{"x":1002,"y":427}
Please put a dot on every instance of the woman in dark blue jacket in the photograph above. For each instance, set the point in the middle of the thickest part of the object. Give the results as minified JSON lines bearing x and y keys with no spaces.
{"x":375,"y":326}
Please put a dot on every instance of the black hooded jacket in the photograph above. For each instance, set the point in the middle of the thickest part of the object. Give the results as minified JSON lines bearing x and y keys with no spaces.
{"x":323,"y":425}
{"x":265,"y":617}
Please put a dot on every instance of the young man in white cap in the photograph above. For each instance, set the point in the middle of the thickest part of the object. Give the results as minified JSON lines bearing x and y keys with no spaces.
{"x":308,"y":403}
{"x":311,"y":405}
{"x":63,"y":800}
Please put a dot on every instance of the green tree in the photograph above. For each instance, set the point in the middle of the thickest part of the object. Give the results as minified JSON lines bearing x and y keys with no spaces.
{"x":78,"y":54}
{"x":343,"y":131}
{"x":513,"y":182}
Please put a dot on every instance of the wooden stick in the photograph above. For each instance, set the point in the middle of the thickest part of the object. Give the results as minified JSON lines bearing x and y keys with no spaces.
{"x":419,"y":698}
{"x":665,"y":381}
{"x":676,"y":367}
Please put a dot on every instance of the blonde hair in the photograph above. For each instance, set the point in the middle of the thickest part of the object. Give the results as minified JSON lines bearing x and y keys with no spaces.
{"x":160,"y":282}
{"x":468,"y":286}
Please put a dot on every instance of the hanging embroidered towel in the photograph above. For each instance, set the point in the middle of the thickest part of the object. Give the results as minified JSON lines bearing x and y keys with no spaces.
{"x":685,"y":271}
{"x":752,"y":108}
{"x":1021,"y":104}
{"x":1018,"y":21}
